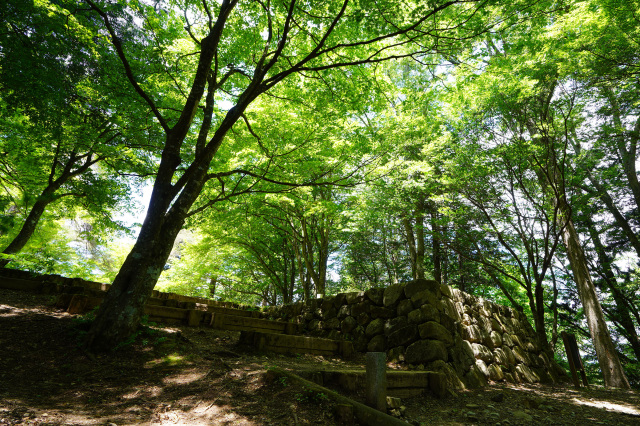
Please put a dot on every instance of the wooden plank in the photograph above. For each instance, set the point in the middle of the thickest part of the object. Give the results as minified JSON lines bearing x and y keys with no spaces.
{"x":164,"y":312}
{"x":407,"y":379}
{"x":405,"y":392}
{"x":238,"y":323}
{"x":20,"y":284}
{"x":230,"y":311}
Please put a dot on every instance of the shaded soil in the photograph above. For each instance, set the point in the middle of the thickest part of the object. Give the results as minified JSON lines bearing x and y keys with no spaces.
{"x":191,"y":376}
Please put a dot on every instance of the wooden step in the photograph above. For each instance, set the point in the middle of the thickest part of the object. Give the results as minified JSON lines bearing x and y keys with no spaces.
{"x":239,"y":323}
{"x":400,"y":384}
{"x":289,"y":344}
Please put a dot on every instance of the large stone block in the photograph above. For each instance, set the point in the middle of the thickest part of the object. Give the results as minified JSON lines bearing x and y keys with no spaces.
{"x":339,"y":300}
{"x":484,"y":323}
{"x":446,"y":291}
{"x":449,"y":323}
{"x":526,"y":375}
{"x":327,"y":303}
{"x":377,"y":344}
{"x":375,"y":295}
{"x":423,"y":314}
{"x":404,"y":307}
{"x":329,"y":313}
{"x":392,"y":295}
{"x":520,"y":355}
{"x":500,"y":357}
{"x":363,"y":318}
{"x":472,"y":334}
{"x":348,"y":324}
{"x":496,"y":325}
{"x":506,"y":340}
{"x":394,"y":324}
{"x":511,"y":359}
{"x":453,"y":381}
{"x":495,"y":373}
{"x":396,"y":354}
{"x":375,"y":327}
{"x":403,"y":336}
{"x":450,"y":309}
{"x":435,"y":331}
{"x":380,"y":312}
{"x":466,"y":320}
{"x":424,"y":297}
{"x":496,"y":339}
{"x":355,"y":297}
{"x":486,"y":338}
{"x":482,"y":352}
{"x":457,"y":295}
{"x":461,"y":355}
{"x":517,"y":341}
{"x":424,"y":351}
{"x":344,"y":312}
{"x":332,"y":324}
{"x":358,"y":308}
{"x":482,"y":367}
{"x":417,"y":286}
{"x":475,"y":378}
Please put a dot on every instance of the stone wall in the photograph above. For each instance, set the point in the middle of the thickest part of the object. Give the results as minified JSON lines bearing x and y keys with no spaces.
{"x":426,"y":325}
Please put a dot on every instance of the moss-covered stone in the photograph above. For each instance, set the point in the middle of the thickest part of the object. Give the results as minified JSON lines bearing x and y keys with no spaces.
{"x":424,"y":351}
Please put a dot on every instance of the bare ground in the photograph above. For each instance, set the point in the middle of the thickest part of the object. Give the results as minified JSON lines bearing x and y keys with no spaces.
{"x":188,"y":376}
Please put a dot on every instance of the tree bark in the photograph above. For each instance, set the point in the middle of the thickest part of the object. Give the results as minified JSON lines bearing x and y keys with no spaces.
{"x":550,"y":173}
{"x":622,"y":310}
{"x":212,"y":286}
{"x":435,"y":239}
{"x":27,"y":230}
{"x":605,"y":351}
{"x":415,"y":241}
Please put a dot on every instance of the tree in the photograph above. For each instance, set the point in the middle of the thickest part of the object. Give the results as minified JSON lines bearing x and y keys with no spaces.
{"x":245,"y":50}
{"x":61,"y":142}
{"x":539,"y":108}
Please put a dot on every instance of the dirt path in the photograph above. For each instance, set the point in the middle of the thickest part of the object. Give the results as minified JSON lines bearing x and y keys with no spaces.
{"x":187,"y":376}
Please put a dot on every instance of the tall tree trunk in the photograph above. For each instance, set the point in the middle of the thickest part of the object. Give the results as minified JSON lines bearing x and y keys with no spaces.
{"x":411,"y":243}
{"x":605,"y":351}
{"x":554,"y":309}
{"x":213,"y":281}
{"x":415,"y":241}
{"x":550,"y":173}
{"x":120,"y":312}
{"x":541,"y":331}
{"x":552,"y":179}
{"x":622,"y":309}
{"x":27,"y":230}
{"x":435,"y":239}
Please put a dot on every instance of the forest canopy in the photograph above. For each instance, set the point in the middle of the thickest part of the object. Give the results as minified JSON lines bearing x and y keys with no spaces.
{"x":298,"y":149}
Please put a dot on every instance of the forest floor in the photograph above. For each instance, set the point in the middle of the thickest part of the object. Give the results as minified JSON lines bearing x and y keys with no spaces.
{"x":175,"y":375}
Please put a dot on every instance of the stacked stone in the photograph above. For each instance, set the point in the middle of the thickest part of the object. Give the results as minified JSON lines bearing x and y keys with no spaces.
{"x":426,"y":325}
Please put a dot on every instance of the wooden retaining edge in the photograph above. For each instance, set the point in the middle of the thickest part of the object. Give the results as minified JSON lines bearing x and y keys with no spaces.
{"x":243,"y":323}
{"x":400,"y":384}
{"x":80,"y":303}
{"x":292,"y":344}
{"x":20,"y":284}
{"x":364,"y":414}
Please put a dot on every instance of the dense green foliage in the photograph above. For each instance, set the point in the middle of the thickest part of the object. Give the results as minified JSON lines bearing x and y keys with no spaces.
{"x":360,"y":161}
